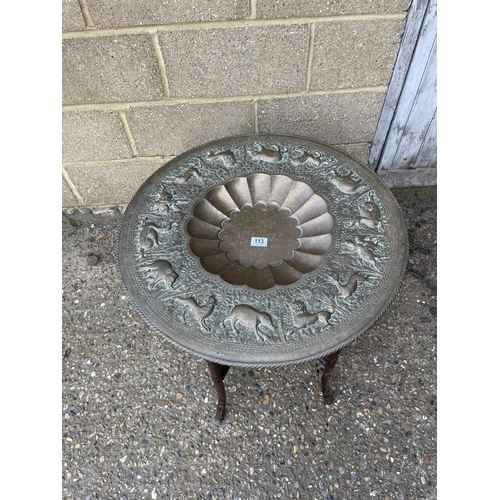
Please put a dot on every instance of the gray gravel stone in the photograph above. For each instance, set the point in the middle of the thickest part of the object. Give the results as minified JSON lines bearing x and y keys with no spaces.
{"x":128,"y":435}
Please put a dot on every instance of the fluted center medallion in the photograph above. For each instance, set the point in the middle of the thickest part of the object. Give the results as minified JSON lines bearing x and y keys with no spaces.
{"x":261,"y":230}
{"x":240,"y":244}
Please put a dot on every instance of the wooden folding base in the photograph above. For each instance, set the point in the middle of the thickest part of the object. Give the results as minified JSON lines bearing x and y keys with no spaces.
{"x":218,"y":372}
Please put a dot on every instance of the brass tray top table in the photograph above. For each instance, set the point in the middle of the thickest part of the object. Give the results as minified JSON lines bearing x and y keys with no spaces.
{"x":263,"y":250}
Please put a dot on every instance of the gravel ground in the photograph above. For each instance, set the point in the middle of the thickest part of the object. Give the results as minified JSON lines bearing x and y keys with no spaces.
{"x":137,"y":412}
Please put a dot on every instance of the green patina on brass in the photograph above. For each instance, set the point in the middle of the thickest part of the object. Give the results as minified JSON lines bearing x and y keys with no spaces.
{"x":263,"y":250}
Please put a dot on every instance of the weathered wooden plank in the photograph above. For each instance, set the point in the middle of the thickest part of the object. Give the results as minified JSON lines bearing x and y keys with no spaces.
{"x":419,"y":118}
{"x":410,"y":88}
{"x":414,"y":19}
{"x":427,"y":156}
{"x":406,"y":177}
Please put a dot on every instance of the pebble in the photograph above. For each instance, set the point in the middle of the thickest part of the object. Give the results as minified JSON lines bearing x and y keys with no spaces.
{"x":92,"y":260}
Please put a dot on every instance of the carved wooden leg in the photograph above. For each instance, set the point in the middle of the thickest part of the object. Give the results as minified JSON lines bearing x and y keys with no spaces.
{"x":329,"y":362}
{"x":218,"y":372}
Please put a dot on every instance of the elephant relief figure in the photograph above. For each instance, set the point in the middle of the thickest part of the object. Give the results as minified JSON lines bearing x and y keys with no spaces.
{"x":251,"y":318}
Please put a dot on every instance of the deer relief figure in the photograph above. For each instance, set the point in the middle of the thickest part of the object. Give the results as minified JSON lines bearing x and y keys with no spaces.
{"x":267,"y":155}
{"x":350,"y":286}
{"x":190,"y":172}
{"x":370,"y":215}
{"x":306,"y":158}
{"x":200,"y":312}
{"x":364,"y":251}
{"x":226,"y":157}
{"x":345,"y":183}
{"x":160,"y":271}
{"x":303,"y":319}
{"x":260,"y":323}
{"x":148,"y":237}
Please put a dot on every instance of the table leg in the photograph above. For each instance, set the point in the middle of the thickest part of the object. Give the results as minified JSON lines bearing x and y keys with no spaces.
{"x":218,"y":372}
{"x":329,"y":363}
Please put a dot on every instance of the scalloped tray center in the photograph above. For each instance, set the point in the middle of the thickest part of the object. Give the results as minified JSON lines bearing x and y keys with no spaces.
{"x":260,"y":236}
{"x":261,"y":230}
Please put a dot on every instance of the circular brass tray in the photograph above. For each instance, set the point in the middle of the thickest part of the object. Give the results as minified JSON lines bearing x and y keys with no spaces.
{"x":263,"y":250}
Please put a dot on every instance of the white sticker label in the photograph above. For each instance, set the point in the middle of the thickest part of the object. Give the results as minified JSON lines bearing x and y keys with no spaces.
{"x":257,"y":241}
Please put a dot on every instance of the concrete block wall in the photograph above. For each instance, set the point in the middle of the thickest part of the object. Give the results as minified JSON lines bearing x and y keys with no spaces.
{"x":145,"y":80}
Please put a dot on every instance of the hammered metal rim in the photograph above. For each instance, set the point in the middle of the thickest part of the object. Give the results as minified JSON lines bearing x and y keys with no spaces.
{"x":299,"y":356}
